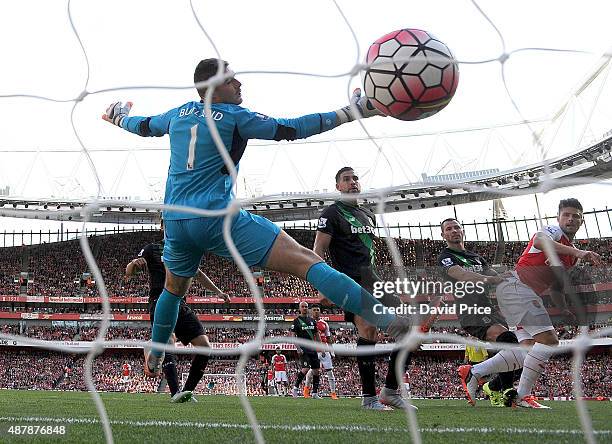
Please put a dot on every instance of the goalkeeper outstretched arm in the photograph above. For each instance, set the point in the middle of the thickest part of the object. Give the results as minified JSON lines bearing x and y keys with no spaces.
{"x":250,"y":125}
{"x":155,"y":126}
{"x":226,"y":90}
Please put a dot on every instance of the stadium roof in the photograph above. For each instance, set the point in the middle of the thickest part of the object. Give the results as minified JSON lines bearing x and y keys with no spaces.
{"x":588,"y":165}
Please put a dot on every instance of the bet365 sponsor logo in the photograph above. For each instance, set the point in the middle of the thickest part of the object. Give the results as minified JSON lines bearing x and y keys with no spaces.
{"x":362,"y":230}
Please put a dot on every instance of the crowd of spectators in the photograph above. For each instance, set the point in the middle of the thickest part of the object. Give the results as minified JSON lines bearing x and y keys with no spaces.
{"x":11,"y":264}
{"x":50,"y":333}
{"x":35,"y":370}
{"x":10,"y":329}
{"x":56,"y":268}
{"x":427,"y":376}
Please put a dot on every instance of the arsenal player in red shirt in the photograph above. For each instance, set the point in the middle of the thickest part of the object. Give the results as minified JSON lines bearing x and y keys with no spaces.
{"x":280,"y":372}
{"x":324,"y":357}
{"x":548,"y":256}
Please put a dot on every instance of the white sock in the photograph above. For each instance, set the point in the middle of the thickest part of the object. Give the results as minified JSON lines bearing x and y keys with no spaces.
{"x":308,"y":382}
{"x":332,"y":381}
{"x":504,"y":361}
{"x":534,"y":365}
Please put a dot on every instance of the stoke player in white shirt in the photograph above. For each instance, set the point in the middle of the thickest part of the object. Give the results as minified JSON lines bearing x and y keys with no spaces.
{"x":519,"y":296}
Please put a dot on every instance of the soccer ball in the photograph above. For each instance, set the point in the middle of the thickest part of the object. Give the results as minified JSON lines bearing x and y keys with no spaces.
{"x":411,"y":74}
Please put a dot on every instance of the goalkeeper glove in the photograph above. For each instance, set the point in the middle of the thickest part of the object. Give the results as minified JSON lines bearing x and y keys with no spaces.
{"x":116,"y":112}
{"x":363,"y":106}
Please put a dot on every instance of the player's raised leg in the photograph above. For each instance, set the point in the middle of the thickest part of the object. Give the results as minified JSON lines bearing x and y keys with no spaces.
{"x":502,"y":363}
{"x":287,"y":256}
{"x":261,"y":243}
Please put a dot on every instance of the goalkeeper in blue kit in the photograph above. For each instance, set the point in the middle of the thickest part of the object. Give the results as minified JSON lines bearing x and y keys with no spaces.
{"x":198,"y":178}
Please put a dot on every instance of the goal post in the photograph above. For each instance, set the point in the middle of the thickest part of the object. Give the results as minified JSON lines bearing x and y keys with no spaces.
{"x":217,"y":384}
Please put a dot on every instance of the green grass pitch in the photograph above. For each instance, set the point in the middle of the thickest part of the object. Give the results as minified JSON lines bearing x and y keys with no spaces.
{"x":220,"y":419}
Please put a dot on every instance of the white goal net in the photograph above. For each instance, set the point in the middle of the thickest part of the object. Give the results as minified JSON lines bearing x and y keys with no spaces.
{"x":526,"y":98}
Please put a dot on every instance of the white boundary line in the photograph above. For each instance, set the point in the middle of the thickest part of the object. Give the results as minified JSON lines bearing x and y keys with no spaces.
{"x":302,"y":427}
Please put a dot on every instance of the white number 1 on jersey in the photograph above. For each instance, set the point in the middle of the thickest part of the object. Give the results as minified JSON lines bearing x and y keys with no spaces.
{"x":192,"y":145}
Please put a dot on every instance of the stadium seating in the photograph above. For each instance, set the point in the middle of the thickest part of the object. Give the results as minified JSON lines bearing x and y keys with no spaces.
{"x":56,"y":266}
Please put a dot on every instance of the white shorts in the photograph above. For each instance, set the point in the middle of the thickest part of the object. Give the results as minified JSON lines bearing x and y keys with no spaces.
{"x":520,"y":305}
{"x":326,"y":360}
{"x":520,"y":333}
{"x":280,"y":376}
{"x":125,"y":378}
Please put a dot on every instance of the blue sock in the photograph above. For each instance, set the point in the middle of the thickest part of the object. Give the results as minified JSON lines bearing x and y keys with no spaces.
{"x":347,"y":294}
{"x":166,"y":313}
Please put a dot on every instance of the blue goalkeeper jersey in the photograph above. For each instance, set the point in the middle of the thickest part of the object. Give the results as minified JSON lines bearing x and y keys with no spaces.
{"x":197,"y":176}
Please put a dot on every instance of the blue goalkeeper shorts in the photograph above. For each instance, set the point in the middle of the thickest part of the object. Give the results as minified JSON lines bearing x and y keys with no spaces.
{"x":187,"y":240}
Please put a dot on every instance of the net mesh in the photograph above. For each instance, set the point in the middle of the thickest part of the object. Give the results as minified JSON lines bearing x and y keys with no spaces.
{"x":547,"y":182}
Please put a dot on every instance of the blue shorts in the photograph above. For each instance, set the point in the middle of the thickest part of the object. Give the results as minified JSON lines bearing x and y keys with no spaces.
{"x":186,"y":241}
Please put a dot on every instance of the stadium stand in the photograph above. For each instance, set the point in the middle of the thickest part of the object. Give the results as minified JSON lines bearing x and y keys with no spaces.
{"x":56,"y":267}
{"x":56,"y":289}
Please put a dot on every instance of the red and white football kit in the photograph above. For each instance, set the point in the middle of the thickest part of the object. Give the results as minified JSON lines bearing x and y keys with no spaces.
{"x":126,"y":369}
{"x":324,"y":333}
{"x":519,"y":296}
{"x":280,"y":367}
